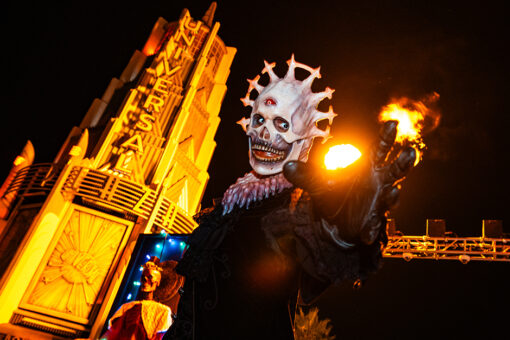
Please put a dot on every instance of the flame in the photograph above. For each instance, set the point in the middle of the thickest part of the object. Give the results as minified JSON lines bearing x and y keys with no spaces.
{"x":413,"y":117}
{"x":340,"y":156}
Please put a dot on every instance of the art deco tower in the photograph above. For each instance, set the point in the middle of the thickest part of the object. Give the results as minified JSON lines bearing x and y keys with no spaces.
{"x":136,"y":164}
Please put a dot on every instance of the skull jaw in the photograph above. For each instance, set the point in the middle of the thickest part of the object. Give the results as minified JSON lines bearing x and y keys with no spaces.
{"x":265,"y":167}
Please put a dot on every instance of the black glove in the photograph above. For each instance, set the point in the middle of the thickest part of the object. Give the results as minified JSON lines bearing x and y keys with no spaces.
{"x":356,"y":199}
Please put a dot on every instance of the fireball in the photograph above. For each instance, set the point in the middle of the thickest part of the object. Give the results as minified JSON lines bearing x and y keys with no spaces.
{"x":413,"y":117}
{"x":340,"y":156}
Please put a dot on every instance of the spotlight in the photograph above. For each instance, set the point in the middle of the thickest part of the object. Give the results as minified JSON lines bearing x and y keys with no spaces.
{"x":464,"y":259}
{"x":407,"y":256}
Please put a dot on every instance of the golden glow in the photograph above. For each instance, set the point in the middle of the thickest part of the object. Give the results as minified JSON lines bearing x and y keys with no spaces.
{"x":19,"y":160}
{"x":340,"y":156}
{"x":410,"y":122}
{"x":75,"y":151}
{"x":150,"y":48}
{"x":74,"y":274}
{"x":411,"y":116}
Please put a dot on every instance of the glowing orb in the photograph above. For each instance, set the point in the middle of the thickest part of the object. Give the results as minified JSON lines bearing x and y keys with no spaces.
{"x":340,"y":156}
{"x":412,"y":116}
{"x":410,"y":123}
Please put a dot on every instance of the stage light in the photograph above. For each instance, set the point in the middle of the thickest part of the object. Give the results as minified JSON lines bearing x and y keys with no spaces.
{"x":464,"y":259}
{"x":407,"y":256}
{"x":492,"y":228}
{"x":436,"y":228}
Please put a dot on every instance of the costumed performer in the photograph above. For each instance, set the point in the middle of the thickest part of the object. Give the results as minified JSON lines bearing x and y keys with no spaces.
{"x":285,"y":231}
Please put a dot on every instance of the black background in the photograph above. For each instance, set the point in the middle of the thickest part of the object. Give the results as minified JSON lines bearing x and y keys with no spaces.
{"x":56,"y":58}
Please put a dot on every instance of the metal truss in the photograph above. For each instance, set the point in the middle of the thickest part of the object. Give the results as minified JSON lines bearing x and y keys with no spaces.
{"x":463,"y":249}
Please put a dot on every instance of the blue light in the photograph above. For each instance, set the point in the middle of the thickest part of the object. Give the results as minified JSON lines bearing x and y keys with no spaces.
{"x":163,"y":232}
{"x":148,"y":257}
{"x":183,"y":244}
{"x":158,"y":246}
{"x":141,"y":268}
{"x":136,"y":283}
{"x":129,"y":296}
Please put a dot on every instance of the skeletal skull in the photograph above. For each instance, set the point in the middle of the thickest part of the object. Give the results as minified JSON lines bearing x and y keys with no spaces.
{"x":282,"y":124}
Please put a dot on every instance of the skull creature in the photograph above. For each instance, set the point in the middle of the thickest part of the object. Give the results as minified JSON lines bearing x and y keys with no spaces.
{"x":281,"y":128}
{"x":282,"y":124}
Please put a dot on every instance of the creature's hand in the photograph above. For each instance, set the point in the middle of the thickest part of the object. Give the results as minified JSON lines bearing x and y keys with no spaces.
{"x":356,"y":199}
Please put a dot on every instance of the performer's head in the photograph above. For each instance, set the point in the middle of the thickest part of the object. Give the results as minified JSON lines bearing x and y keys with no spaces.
{"x":282,"y":124}
{"x":151,"y":275}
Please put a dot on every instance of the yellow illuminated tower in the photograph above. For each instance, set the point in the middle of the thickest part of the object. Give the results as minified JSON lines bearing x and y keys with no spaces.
{"x":136,"y":164}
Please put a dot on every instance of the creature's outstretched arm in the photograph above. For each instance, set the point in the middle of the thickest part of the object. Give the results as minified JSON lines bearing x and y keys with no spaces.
{"x":353,"y":202}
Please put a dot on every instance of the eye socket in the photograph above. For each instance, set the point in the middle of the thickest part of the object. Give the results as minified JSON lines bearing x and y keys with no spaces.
{"x":257,"y":120}
{"x":281,"y":124}
{"x":270,"y":102}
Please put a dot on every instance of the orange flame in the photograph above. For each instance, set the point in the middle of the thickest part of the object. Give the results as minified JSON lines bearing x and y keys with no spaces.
{"x":413,"y":118}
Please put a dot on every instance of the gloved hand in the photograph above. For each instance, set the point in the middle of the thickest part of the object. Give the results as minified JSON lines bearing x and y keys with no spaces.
{"x":356,"y":199}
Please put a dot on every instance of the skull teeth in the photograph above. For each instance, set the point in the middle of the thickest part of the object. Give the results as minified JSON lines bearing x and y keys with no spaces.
{"x":268,"y":149}
{"x":276,"y":155}
{"x":280,"y":158}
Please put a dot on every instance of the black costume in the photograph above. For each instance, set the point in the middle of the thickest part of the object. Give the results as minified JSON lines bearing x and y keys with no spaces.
{"x":243,"y":270}
{"x":246,"y":269}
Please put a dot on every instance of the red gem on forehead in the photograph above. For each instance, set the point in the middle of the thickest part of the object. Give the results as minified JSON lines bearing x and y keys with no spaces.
{"x":270,"y":101}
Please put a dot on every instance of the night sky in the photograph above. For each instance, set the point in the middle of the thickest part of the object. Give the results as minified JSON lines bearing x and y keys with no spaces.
{"x":57,"y":58}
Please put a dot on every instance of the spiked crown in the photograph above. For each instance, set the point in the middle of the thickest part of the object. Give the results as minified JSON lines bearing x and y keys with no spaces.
{"x":298,"y":100}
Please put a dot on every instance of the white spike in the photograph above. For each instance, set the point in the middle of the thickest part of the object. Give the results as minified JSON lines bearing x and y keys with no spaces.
{"x":247,"y":101}
{"x":326,"y":135}
{"x":309,"y":68}
{"x":269,"y":69}
{"x":319,"y":115}
{"x":244,"y":123}
{"x":316,"y":132}
{"x":254,"y":84}
{"x":331,"y":114}
{"x":314,"y":73}
{"x":291,"y":73}
{"x":316,"y":98}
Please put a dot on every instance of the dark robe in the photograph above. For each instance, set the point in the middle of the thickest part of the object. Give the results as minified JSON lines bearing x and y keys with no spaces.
{"x":244,"y":270}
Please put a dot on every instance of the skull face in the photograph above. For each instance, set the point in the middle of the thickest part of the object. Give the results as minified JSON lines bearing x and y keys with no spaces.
{"x":282,"y":123}
{"x":272,"y":139}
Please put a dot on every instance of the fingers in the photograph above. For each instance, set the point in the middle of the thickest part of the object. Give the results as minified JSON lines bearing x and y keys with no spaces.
{"x":389,"y":198}
{"x":377,"y":219}
{"x":304,"y":176}
{"x":387,"y":136}
{"x":401,"y":166}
